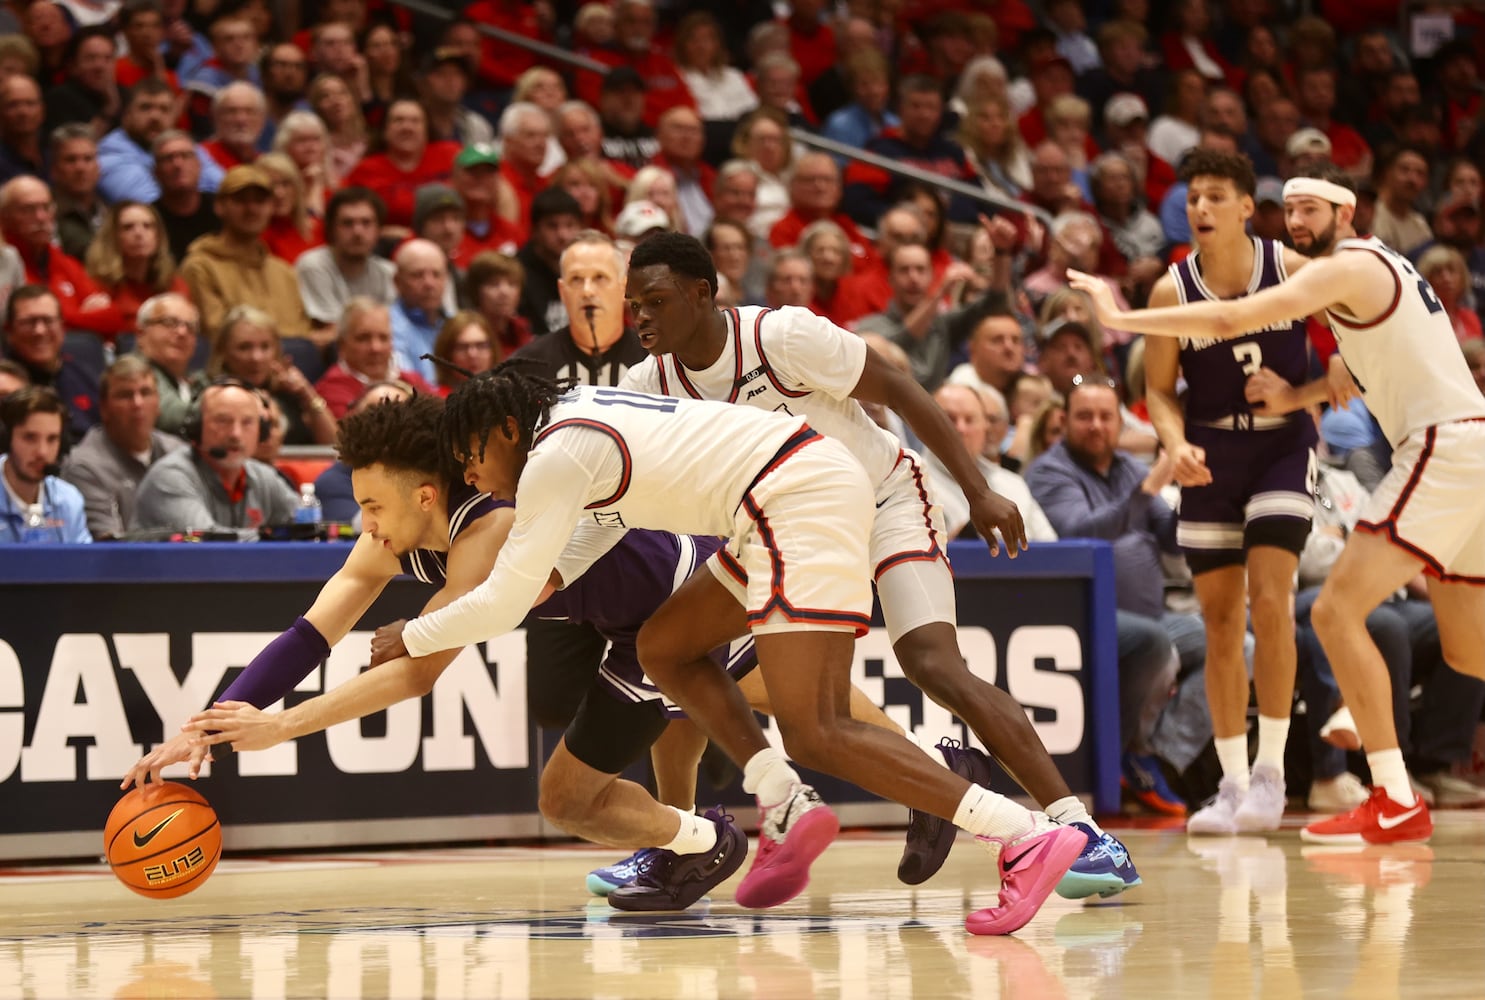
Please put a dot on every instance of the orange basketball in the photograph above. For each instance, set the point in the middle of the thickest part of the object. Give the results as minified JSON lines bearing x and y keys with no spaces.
{"x":162,"y":840}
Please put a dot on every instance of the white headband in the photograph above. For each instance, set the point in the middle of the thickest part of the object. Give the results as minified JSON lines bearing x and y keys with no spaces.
{"x":1316,"y":188}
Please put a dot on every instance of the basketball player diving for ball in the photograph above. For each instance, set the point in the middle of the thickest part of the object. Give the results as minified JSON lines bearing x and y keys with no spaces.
{"x":797,"y":510}
{"x":1427,"y":515}
{"x":450,"y":537}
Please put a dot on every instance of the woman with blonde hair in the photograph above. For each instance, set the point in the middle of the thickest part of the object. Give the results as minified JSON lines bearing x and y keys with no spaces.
{"x":467,"y":340}
{"x":335,"y":103}
{"x":290,"y":230}
{"x":657,"y":186}
{"x":130,"y":258}
{"x":829,"y":251}
{"x":587,"y":181}
{"x":994,"y":147}
{"x":1443,"y":267}
{"x":1075,"y":306}
{"x":247,"y":346}
{"x":762,"y":141}
{"x":303,"y":138}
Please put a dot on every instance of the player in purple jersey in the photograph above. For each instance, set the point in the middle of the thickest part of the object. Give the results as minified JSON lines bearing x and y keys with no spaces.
{"x":1247,"y":481}
{"x":1428,"y":514}
{"x":450,"y":538}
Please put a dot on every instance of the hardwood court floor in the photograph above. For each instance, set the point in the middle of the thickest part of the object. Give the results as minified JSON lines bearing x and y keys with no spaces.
{"x":1240,"y":918}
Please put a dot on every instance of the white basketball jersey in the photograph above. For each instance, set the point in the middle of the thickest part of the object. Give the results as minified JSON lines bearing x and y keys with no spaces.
{"x":1407,"y":361}
{"x":612,"y":459}
{"x":673,"y":464}
{"x":788,"y":360}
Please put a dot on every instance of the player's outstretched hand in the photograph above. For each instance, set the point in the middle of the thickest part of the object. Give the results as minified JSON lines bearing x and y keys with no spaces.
{"x":387,"y":645}
{"x":244,"y":726}
{"x":1191,"y":465}
{"x":1099,"y":291}
{"x":991,"y":513}
{"x":1269,"y":391}
{"x":181,"y":747}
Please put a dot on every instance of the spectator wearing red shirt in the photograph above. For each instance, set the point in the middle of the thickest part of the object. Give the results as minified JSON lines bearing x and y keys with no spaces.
{"x":239,"y":113}
{"x":28,"y":218}
{"x":143,"y":27}
{"x":131,"y":260}
{"x":366,"y":357}
{"x":291,"y":229}
{"x":811,"y":40}
{"x":477,"y":179}
{"x":1189,"y":45}
{"x":500,"y":62}
{"x":835,"y":297}
{"x":1315,"y":94}
{"x":682,"y":138}
{"x":1126,"y":121}
{"x":814,"y":194}
{"x":635,"y":47}
{"x":525,"y":130}
{"x":405,"y":161}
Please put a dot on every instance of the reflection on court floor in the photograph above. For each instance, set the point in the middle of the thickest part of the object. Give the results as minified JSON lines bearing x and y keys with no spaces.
{"x":1241,"y":917}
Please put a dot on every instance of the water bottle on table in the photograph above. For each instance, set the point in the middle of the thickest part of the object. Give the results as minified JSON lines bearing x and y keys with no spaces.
{"x":37,"y":530}
{"x":309,"y":510}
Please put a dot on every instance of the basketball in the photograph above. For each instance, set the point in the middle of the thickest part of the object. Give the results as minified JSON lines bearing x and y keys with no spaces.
{"x":162,"y":840}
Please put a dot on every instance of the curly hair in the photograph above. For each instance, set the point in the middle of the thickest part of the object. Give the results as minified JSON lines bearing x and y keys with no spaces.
{"x":513,"y":388}
{"x":1234,"y":167}
{"x":403,"y":436}
{"x":685,"y":255}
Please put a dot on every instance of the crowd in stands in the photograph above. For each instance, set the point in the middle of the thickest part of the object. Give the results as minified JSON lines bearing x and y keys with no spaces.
{"x":224,"y":225}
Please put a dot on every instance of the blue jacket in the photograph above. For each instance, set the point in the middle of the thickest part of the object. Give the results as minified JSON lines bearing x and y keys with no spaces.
{"x":61,"y":502}
{"x":127,"y":170}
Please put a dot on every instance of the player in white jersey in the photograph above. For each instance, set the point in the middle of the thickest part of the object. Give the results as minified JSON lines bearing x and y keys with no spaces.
{"x":790,"y":360}
{"x":1427,"y":515}
{"x":797,"y":508}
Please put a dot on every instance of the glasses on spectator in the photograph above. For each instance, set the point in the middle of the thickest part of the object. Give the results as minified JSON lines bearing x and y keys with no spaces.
{"x":37,"y":322}
{"x":171,"y":323}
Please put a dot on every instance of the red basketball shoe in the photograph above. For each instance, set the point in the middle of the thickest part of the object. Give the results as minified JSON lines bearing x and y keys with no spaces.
{"x":1378,"y":820}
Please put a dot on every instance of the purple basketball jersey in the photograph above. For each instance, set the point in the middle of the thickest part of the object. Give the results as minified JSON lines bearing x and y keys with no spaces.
{"x":1217,"y":371}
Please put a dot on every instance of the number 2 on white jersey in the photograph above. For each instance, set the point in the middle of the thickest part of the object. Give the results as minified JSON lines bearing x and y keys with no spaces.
{"x":1249,"y":356}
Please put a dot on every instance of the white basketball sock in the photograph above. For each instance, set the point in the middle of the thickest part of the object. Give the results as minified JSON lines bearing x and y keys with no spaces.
{"x":990,"y":814}
{"x":768,"y":775}
{"x":1232,"y":754}
{"x":697,"y":834}
{"x":1272,"y":735}
{"x":1070,"y":809}
{"x":1391,"y":774}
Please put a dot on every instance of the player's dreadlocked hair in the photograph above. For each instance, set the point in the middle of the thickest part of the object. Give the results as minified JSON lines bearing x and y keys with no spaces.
{"x":685,"y":255}
{"x":1210,"y":163}
{"x":513,"y":388}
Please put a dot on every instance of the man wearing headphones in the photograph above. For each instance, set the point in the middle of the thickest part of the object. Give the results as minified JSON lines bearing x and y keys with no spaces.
{"x":33,"y":421}
{"x":215,"y":485}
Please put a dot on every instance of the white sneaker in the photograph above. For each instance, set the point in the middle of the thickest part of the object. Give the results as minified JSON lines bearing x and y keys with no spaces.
{"x":1218,"y":817}
{"x":1262,"y":809}
{"x":1451,"y":792}
{"x":1337,"y":795}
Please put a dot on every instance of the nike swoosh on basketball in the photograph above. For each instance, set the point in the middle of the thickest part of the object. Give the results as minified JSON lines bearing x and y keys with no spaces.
{"x":142,"y":841}
{"x":1387,"y":823}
